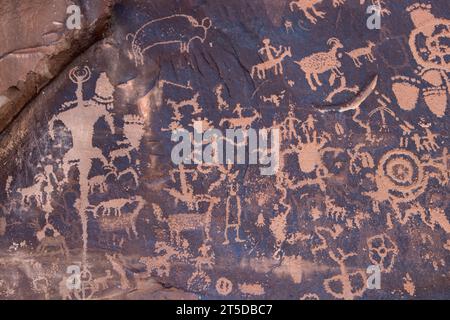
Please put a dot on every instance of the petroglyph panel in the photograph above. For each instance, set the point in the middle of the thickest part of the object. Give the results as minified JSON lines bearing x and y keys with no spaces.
{"x":354,"y":123}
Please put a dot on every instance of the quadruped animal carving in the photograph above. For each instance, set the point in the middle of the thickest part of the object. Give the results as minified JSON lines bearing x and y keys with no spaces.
{"x":111,"y":217}
{"x":321,"y":62}
{"x":177,"y":28}
{"x":274,"y":60}
{"x":366,"y":52}
{"x":308,"y":7}
{"x":188,"y":221}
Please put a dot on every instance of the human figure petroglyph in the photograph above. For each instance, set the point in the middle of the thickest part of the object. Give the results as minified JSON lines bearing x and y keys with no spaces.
{"x":222,"y":104}
{"x":177,"y":28}
{"x":206,"y":257}
{"x":321,"y":62}
{"x":269,"y":51}
{"x":260,"y":69}
{"x":226,"y":175}
{"x":350,"y":290}
{"x":364,"y":52}
{"x":407,"y":128}
{"x":274,"y":59}
{"x":289,"y":125}
{"x":233,"y":207}
{"x":80,"y":117}
{"x":427,"y":142}
{"x":233,"y":203}
{"x":85,"y":114}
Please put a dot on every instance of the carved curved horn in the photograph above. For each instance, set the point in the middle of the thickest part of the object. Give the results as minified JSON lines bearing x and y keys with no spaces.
{"x":333,"y":41}
{"x":207,"y":23}
{"x":130,"y":36}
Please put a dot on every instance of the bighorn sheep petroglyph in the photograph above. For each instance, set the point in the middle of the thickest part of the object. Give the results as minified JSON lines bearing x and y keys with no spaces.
{"x":321,"y":62}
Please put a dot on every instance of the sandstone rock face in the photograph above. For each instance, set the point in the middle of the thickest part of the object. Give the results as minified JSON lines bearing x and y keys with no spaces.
{"x":93,"y":204}
{"x":36,"y":45}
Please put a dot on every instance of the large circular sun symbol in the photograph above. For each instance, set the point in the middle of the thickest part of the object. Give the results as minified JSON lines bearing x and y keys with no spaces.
{"x":401,"y":170}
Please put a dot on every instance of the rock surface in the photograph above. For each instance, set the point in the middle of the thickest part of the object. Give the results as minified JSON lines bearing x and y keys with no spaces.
{"x":36,"y":45}
{"x":89,"y":186}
